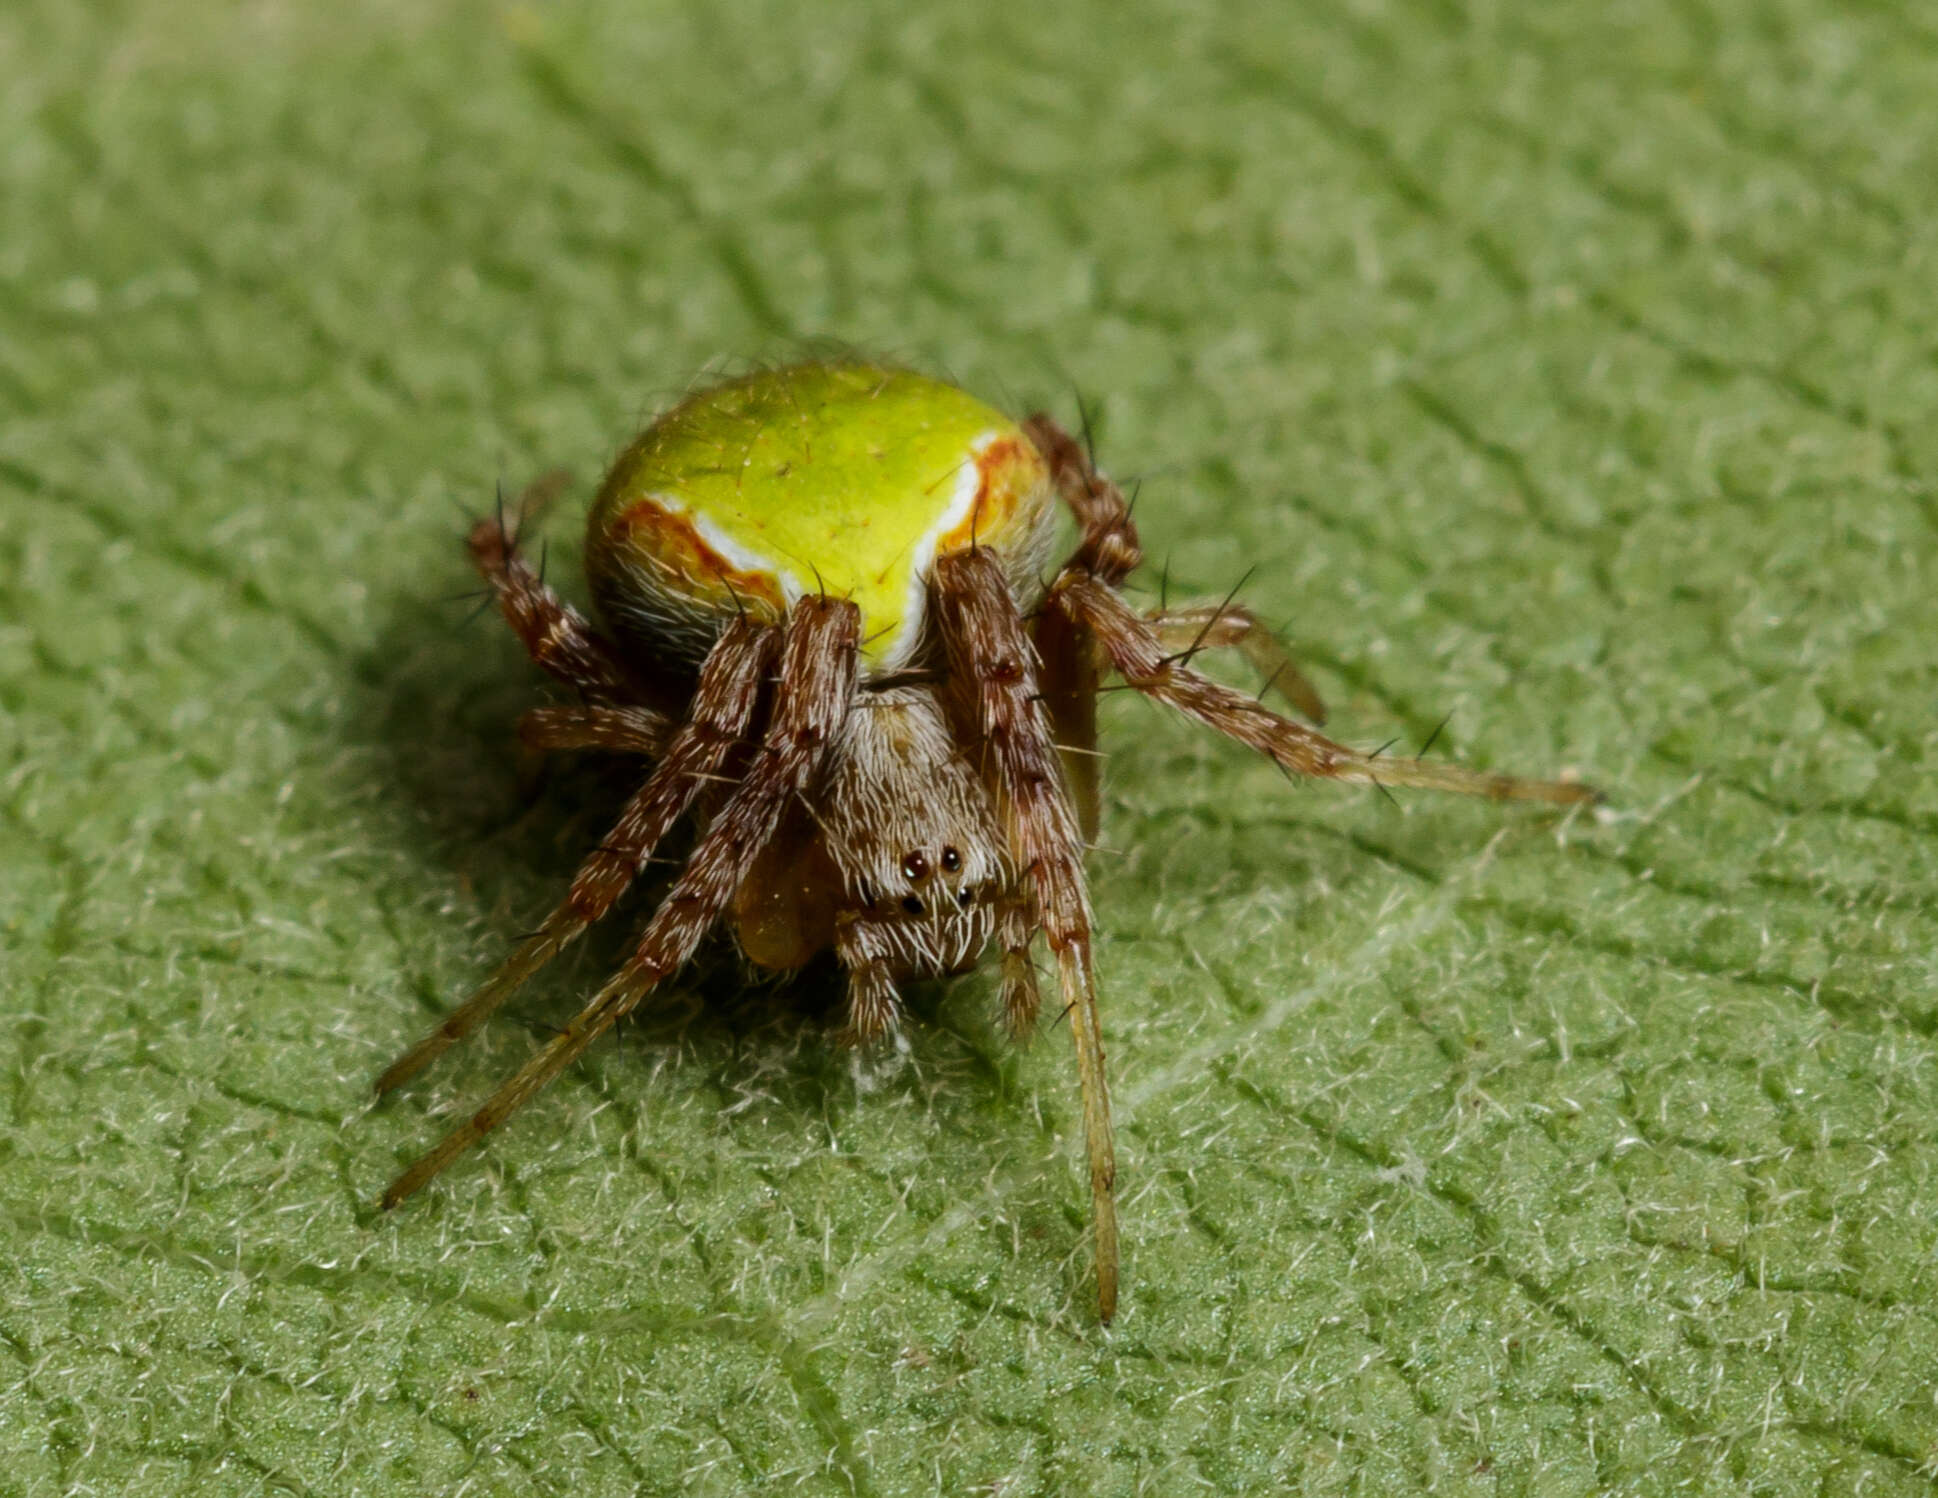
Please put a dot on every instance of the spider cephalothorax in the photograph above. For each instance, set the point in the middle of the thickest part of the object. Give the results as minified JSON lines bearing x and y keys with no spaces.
{"x":827,"y":626}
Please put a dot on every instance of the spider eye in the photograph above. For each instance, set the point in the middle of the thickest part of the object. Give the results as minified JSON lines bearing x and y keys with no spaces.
{"x":912,"y":905}
{"x":916,"y":867}
{"x":951,"y":860}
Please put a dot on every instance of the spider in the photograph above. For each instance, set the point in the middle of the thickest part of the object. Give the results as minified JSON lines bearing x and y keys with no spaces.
{"x":825,"y":625}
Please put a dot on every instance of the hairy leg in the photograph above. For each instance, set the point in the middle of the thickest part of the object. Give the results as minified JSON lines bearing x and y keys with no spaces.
{"x":992,"y":673}
{"x":557,"y":636}
{"x":874,"y":1006}
{"x":1073,"y":664}
{"x":621,"y":730}
{"x":1138,"y":655}
{"x":816,"y":688}
{"x":1186,"y":631}
{"x":1016,"y":930}
{"x":1068,"y":681}
{"x":1109,"y":546}
{"x":723,"y":706}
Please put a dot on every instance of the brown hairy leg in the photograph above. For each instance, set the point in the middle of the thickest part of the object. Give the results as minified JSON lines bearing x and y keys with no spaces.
{"x":557,"y":636}
{"x":1138,"y":655}
{"x":1016,"y":930}
{"x":619,"y":730}
{"x":1108,"y":547}
{"x":723,"y":706}
{"x":874,"y":1005}
{"x":815,"y":689}
{"x":1186,"y":631}
{"x":1074,"y":661}
{"x":1068,"y":682}
{"x":992,"y":676}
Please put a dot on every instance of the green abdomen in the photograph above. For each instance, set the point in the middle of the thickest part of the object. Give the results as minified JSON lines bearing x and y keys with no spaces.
{"x":844,"y":478}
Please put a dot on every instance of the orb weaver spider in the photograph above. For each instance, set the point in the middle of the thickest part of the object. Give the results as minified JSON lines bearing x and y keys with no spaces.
{"x":826,"y":627}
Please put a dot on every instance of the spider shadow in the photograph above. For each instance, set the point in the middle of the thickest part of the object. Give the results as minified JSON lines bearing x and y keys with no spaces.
{"x":438,"y":702}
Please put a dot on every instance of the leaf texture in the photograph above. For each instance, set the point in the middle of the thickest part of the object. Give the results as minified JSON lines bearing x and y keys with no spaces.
{"x":1564,"y":368}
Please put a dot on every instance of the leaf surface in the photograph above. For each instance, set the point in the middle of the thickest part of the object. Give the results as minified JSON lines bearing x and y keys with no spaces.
{"x":1565,"y":369}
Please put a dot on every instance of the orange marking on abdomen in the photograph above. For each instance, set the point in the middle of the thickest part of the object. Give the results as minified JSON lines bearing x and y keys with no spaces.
{"x":673,"y":542}
{"x":1005,"y":469}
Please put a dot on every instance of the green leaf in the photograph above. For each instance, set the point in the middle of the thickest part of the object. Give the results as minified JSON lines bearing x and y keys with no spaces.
{"x":1564,"y":368}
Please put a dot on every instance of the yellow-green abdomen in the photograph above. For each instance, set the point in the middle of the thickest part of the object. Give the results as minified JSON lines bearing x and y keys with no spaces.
{"x":848,"y":479}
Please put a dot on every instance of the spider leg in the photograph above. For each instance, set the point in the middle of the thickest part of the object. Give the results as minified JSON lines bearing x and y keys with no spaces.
{"x":557,"y":636}
{"x":815,"y":689}
{"x":992,"y":672}
{"x":723,"y":706}
{"x":1016,"y":930}
{"x":1068,"y":683}
{"x":1186,"y":631}
{"x":874,"y":1006}
{"x":1109,"y":547}
{"x":621,"y":730}
{"x":1138,"y":654}
{"x":1073,"y":661}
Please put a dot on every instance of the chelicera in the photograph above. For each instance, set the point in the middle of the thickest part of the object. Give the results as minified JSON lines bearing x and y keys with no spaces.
{"x":824,"y":623}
